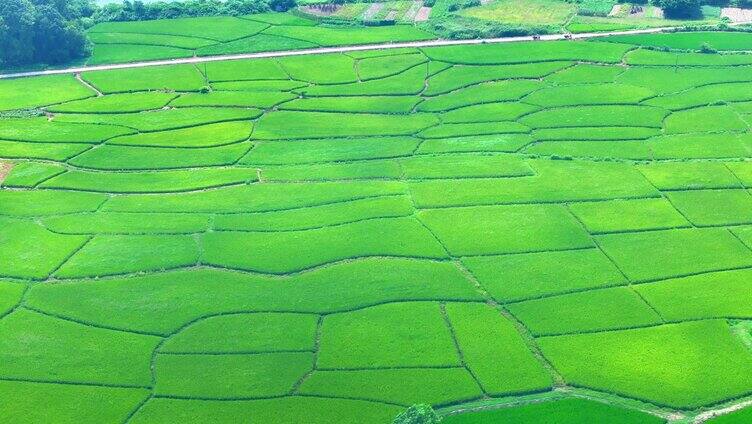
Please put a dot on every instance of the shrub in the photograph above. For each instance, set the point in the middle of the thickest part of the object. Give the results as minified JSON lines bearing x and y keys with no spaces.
{"x":680,"y":8}
{"x":418,"y":414}
{"x":707,"y":48}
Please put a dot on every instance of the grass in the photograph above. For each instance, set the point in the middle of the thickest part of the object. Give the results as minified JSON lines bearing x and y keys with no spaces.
{"x":25,"y":93}
{"x":482,"y":332}
{"x":403,"y":386}
{"x":19,"y":257}
{"x":165,"y":119}
{"x":173,"y":77}
{"x":338,"y":243}
{"x":689,"y":40}
{"x":116,"y":103}
{"x":331,"y":238}
{"x":329,"y":150}
{"x":286,"y":125}
{"x":682,"y":358}
{"x":673,"y":253}
{"x":66,"y":404}
{"x":150,"y":182}
{"x":689,"y":175}
{"x":43,"y":131}
{"x":481,"y":93}
{"x":499,"y":229}
{"x":532,"y":275}
{"x":73,"y":352}
{"x":318,"y":216}
{"x":245,"y":333}
{"x":729,"y":206}
{"x":606,"y":309}
{"x":114,"y":157}
{"x":126,"y":223}
{"x":264,"y":100}
{"x":597,"y":95}
{"x":629,"y":215}
{"x":399,"y":334}
{"x":286,"y":410}
{"x":507,"y":53}
{"x":121,"y":254}
{"x":713,"y":295}
{"x":564,"y":411}
{"x":199,"y":136}
{"x":230,"y":376}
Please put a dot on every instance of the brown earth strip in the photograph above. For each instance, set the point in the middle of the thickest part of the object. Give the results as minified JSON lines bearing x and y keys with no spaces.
{"x":5,"y":168}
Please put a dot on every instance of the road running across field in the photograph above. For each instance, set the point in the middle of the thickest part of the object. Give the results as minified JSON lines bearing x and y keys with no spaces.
{"x":341,"y":49}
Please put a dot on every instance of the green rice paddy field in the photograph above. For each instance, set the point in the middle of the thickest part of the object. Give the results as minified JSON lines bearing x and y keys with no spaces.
{"x":118,"y":42}
{"x":553,"y":232}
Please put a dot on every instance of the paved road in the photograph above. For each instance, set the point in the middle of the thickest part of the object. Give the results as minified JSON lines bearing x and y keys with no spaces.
{"x":322,"y":50}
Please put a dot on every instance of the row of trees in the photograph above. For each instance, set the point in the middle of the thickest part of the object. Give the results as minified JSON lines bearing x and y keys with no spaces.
{"x":139,"y":11}
{"x":42,"y":31}
{"x":53,"y":31}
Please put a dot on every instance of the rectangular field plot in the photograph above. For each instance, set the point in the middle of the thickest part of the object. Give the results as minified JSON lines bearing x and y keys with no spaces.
{"x":464,"y":166}
{"x":597,"y":116}
{"x":404,"y":386}
{"x":116,"y":103}
{"x":165,"y":119}
{"x":714,"y":207}
{"x":522,"y":52}
{"x":122,"y":254}
{"x":628,"y":215}
{"x":724,"y":294}
{"x":380,"y":169}
{"x":176,"y":77}
{"x":555,"y":181}
{"x":252,"y":198}
{"x":151,"y":182}
{"x":329,"y":150}
{"x":673,"y":253}
{"x":499,"y":91}
{"x":264,"y":251}
{"x":127,"y":223}
{"x":137,"y":303}
{"x":382,"y":336}
{"x":677,"y":365}
{"x":200,"y":136}
{"x":458,"y":77}
{"x":588,"y":311}
{"x":482,"y":332}
{"x":505,"y":229}
{"x":114,"y":158}
{"x":532,"y":275}
{"x":689,"y":175}
{"x":283,"y":125}
{"x":23,"y":93}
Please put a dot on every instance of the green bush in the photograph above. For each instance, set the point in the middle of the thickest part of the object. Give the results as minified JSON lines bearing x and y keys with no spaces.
{"x":418,"y":414}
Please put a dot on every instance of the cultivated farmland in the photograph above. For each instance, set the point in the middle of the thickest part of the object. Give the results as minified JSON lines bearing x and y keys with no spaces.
{"x":547,"y":232}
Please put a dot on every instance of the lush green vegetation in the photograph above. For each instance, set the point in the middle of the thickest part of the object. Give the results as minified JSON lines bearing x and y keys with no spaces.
{"x":333,"y":238}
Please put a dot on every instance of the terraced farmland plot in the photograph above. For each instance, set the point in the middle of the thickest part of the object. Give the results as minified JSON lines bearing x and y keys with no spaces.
{"x":540,"y":230}
{"x":120,"y":42}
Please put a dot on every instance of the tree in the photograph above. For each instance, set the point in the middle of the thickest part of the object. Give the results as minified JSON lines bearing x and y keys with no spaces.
{"x":418,"y":414}
{"x":680,"y":8}
{"x":282,"y":5}
{"x":41,"y":31}
{"x":16,"y":32}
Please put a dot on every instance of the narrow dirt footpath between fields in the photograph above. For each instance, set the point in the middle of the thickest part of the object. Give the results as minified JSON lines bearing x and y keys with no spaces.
{"x":722,"y":411}
{"x":89,"y":86}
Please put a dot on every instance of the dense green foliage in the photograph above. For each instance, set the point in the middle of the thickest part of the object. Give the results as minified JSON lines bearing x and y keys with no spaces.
{"x":42,"y":31}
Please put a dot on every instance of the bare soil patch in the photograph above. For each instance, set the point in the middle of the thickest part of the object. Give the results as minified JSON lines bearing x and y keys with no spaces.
{"x":5,"y":168}
{"x":321,"y":9}
{"x":423,"y":14}
{"x":736,"y":14}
